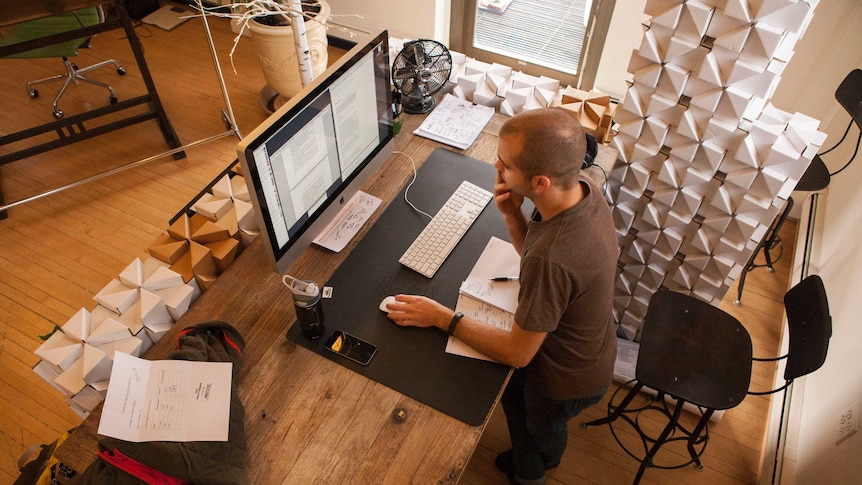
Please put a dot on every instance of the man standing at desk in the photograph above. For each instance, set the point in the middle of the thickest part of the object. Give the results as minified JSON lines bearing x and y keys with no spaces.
{"x":562,"y":343}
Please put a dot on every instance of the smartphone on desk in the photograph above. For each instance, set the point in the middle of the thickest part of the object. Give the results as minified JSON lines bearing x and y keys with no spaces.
{"x":350,"y":346}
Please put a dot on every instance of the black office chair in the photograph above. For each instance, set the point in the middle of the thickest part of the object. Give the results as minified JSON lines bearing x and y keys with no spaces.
{"x":810,"y":327}
{"x":690,"y":352}
{"x":56,"y":24}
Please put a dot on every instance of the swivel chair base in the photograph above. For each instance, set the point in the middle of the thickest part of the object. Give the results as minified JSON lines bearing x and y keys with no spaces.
{"x":74,"y":74}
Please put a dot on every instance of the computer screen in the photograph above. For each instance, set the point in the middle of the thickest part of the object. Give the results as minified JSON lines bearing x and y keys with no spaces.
{"x":306,"y":161}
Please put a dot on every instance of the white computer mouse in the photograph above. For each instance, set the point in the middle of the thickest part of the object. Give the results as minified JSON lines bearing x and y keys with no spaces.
{"x":386,"y":301}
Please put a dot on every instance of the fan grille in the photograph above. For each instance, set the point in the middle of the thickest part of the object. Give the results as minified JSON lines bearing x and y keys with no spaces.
{"x":421,"y":69}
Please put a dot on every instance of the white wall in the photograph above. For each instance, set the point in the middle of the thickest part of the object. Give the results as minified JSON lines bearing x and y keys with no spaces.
{"x":624,"y":36}
{"x":413,"y":19}
{"x":828,"y":51}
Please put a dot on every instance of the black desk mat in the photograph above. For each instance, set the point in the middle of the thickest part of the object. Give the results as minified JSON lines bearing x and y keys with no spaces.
{"x":413,"y":361}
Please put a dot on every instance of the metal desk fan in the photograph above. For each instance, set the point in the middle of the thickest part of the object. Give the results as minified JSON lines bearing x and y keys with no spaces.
{"x":419,"y":71}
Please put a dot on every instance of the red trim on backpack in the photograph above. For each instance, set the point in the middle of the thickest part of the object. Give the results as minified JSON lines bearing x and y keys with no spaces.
{"x":138,"y":469}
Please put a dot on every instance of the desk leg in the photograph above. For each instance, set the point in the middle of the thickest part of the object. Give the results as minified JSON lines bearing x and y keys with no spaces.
{"x":155,"y":103}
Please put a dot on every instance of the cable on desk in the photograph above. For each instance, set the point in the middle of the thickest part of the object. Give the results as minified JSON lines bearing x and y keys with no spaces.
{"x":413,"y":163}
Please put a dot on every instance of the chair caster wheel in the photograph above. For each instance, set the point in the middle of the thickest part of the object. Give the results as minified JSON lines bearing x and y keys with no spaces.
{"x":121,"y":71}
{"x":33,"y":94}
{"x":699,"y":467}
{"x":584,"y":426}
{"x":737,"y":302}
{"x":771,"y":270}
{"x":58,"y":114}
{"x":112,"y":99}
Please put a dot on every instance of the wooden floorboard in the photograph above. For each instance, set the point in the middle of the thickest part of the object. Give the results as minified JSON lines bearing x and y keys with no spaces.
{"x":58,"y":251}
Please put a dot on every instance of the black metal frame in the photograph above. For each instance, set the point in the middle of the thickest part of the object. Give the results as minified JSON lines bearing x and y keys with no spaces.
{"x":75,"y":128}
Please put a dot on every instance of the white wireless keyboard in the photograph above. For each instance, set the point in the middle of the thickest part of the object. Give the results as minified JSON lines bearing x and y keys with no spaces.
{"x":448,"y":226}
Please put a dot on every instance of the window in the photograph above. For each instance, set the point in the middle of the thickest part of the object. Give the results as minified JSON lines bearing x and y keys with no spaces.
{"x":560,"y":39}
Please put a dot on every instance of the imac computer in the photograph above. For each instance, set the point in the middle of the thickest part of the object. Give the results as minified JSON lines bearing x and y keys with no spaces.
{"x":306,"y":161}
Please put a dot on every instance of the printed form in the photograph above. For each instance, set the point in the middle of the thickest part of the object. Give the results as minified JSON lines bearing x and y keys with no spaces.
{"x":167,"y":400}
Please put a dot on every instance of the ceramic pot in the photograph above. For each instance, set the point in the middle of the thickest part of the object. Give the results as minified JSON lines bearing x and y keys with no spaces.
{"x":276,"y":51}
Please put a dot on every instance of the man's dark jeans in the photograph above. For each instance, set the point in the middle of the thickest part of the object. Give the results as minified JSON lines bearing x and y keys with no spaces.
{"x":538,"y":426}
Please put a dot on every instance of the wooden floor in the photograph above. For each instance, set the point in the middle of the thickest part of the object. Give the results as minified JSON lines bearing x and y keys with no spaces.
{"x":58,"y":251}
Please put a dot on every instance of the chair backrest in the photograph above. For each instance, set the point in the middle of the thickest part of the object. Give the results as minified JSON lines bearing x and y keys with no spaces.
{"x":810,"y":327}
{"x":849,"y":95}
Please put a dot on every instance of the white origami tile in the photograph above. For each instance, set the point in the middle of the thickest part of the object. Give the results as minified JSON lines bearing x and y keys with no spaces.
{"x":97,"y":365}
{"x":133,"y":275}
{"x":240,"y":189}
{"x":245,"y":215}
{"x":693,"y":123}
{"x":648,"y":75}
{"x":669,"y":242}
{"x":733,"y":40}
{"x":475,"y":66}
{"x":658,"y":103}
{"x":48,"y":372}
{"x":517,"y":97}
{"x":177,"y":299}
{"x":636,"y":177}
{"x":672,"y":81}
{"x":484,"y":96}
{"x":763,"y":41}
{"x":60,"y":350}
{"x":649,"y":48}
{"x":87,"y":399}
{"x":468,"y":83}
{"x":521,"y":80}
{"x":78,"y":327}
{"x":131,"y":318}
{"x":162,"y":278}
{"x":222,"y":188}
{"x":732,"y":105}
{"x":710,"y":71}
{"x":679,"y":46}
{"x":792,"y":16}
{"x":758,"y":84}
{"x":154,"y":311}
{"x":116,"y":296}
{"x":71,"y":380}
{"x":109,"y":330}
{"x":741,"y":229}
{"x":639,"y":251}
{"x":668,"y":18}
{"x":673,"y":172}
{"x":212,"y":207}
{"x":131,"y":346}
{"x":544,"y":96}
{"x":738,"y":9}
{"x":156,"y":332}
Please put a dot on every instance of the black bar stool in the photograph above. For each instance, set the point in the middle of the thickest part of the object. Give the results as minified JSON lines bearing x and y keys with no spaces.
{"x":690,"y":352}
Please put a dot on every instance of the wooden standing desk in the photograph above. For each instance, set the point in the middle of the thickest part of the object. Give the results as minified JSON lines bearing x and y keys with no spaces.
{"x":308,"y":419}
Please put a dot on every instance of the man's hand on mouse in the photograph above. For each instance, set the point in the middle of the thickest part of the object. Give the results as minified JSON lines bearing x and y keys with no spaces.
{"x":419,"y":311}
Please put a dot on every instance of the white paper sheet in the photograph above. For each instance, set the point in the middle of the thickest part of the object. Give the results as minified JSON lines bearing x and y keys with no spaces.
{"x":455,"y":122}
{"x":167,"y":400}
{"x":499,"y":259}
{"x":348,"y":222}
{"x":490,"y":302}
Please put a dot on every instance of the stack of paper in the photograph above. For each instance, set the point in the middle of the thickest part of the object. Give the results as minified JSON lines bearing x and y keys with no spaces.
{"x":455,"y":122}
{"x":482,"y":299}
